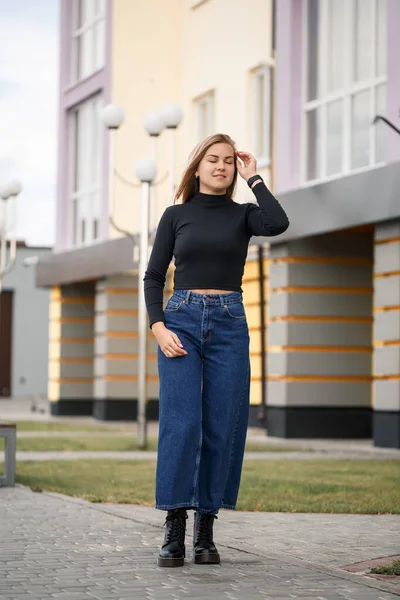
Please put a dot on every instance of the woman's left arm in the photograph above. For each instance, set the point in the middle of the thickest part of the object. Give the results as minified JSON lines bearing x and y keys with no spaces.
{"x":268,"y":218}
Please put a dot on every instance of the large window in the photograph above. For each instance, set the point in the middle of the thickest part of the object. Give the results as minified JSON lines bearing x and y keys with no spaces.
{"x":205,"y":115}
{"x":345,"y":86}
{"x":87,"y":132}
{"x":262,"y":96}
{"x":88,"y":49}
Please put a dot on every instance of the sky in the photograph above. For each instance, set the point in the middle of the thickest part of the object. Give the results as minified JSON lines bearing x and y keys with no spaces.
{"x":29,"y":54}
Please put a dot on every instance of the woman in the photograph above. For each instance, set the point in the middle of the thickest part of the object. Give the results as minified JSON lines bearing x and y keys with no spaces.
{"x":203,"y":341}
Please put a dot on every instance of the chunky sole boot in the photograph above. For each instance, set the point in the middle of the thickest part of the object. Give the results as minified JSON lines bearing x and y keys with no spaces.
{"x":172,"y":553}
{"x":204,"y":550}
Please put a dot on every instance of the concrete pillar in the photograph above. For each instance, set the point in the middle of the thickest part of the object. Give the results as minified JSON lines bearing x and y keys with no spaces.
{"x":251,"y":299}
{"x":116,"y":352}
{"x":320,"y":337}
{"x":71,"y":338}
{"x":386,"y":396}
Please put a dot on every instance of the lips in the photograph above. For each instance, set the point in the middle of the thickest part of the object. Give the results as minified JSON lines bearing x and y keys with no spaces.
{"x":220,"y":176}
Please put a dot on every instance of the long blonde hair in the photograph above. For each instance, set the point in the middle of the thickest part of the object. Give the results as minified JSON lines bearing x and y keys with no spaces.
{"x":189,"y":184}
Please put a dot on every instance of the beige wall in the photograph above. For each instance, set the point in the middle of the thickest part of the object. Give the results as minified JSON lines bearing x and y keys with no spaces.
{"x":173,"y":51}
{"x":145,"y":74}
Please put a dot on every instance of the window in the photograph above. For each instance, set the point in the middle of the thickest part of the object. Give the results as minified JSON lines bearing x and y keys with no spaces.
{"x":262,"y":114}
{"x":87,"y":133}
{"x":88,"y":37}
{"x":205,"y":116}
{"x":345,"y":86}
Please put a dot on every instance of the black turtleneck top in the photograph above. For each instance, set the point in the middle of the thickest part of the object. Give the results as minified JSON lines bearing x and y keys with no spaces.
{"x":209,"y":238}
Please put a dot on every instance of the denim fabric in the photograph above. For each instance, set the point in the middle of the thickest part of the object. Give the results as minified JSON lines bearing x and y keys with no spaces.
{"x":204,"y":403}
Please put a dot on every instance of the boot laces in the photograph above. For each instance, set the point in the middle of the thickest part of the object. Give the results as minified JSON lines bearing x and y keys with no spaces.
{"x":205,"y":527}
{"x":177,"y":529}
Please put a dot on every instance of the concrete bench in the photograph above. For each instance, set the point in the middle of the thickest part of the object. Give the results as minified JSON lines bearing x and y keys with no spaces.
{"x":9,"y":433}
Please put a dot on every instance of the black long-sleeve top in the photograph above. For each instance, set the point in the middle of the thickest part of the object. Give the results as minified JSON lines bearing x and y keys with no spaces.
{"x":209,"y":238}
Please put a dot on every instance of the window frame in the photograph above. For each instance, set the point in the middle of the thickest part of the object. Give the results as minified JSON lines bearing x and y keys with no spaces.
{"x":77,"y":33}
{"x":267,"y":71}
{"x":349,"y":90}
{"x":207,"y":99}
{"x":92,"y":193}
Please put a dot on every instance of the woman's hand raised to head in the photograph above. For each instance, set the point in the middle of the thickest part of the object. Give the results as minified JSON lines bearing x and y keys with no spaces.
{"x":168,"y":341}
{"x":246,"y":165}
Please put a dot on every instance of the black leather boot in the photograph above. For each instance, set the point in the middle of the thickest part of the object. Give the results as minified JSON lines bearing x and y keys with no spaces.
{"x":172,"y":553}
{"x":205,"y":551}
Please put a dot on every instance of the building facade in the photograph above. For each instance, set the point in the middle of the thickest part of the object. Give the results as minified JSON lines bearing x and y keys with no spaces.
{"x":334,"y":305}
{"x":142,"y":56}
{"x":300,"y":86}
{"x":24,"y":329}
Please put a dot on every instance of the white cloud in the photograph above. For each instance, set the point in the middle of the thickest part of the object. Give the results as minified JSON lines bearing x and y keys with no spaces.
{"x":29,"y":53}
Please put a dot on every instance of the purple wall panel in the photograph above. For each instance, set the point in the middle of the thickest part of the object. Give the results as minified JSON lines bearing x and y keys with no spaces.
{"x":62,"y":175}
{"x":288,"y":94}
{"x":70,"y":96}
{"x":104,"y":225}
{"x":393,"y":79}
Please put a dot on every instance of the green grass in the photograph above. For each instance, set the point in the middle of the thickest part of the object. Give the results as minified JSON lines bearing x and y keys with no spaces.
{"x":392,"y":568}
{"x":111,"y":444}
{"x":56,"y":426}
{"x":83,"y":444}
{"x":317,"y":486}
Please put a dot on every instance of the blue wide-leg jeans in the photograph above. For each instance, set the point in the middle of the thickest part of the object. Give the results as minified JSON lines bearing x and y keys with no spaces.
{"x":204,"y":403}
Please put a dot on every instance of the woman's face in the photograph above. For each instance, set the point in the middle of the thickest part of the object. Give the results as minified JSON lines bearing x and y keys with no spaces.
{"x":217,"y":169}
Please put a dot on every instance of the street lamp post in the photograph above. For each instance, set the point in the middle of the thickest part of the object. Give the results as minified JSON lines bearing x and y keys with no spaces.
{"x":169,"y":117}
{"x":171,"y":114}
{"x":146,"y":172}
{"x":8,"y":192}
{"x":154,"y":126}
{"x":112,"y":116}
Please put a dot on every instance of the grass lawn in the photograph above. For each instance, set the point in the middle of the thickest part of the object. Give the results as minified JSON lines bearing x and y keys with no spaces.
{"x":115,"y":444}
{"x":323,"y":486}
{"x":83,"y":444}
{"x":56,"y":426}
{"x":391,"y":568}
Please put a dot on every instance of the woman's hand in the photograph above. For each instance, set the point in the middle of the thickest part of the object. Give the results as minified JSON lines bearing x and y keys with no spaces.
{"x":168,"y":341}
{"x":246,"y":165}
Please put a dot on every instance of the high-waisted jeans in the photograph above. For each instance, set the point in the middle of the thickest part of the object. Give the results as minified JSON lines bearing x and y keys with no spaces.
{"x":204,"y":403}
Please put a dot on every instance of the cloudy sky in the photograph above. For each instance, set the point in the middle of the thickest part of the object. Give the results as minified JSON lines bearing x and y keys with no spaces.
{"x":28,"y":111}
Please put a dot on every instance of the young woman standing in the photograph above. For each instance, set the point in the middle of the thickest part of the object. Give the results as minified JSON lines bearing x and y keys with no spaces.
{"x":203,"y":340}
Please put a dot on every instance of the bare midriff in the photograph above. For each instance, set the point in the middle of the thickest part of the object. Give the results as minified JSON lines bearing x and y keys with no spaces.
{"x":212,"y":291}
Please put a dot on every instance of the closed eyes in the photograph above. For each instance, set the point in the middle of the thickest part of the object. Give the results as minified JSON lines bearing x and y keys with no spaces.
{"x":227,"y":162}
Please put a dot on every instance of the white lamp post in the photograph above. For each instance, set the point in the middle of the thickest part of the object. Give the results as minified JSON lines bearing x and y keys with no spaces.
{"x":154,"y":126}
{"x":112,"y":116}
{"x":146,"y":171}
{"x":9,"y":191}
{"x":171,"y":115}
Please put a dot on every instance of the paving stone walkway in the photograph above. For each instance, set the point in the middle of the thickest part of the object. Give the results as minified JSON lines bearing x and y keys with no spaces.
{"x":53,"y":546}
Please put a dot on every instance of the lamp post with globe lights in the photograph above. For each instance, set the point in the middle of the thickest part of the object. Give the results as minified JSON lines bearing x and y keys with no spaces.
{"x":154,"y":126}
{"x":146,"y":170}
{"x":112,"y":116}
{"x":171,"y":115}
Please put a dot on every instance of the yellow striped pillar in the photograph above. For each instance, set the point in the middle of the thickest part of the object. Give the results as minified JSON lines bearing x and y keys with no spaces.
{"x":116,"y":352}
{"x":319,"y":360}
{"x":71,"y":337}
{"x":386,"y":397}
{"x":252,"y":301}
